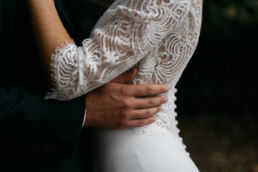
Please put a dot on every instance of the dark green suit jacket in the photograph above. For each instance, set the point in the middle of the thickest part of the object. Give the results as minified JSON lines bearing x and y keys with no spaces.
{"x":35,"y":134}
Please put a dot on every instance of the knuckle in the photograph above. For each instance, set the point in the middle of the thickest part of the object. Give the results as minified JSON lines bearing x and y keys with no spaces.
{"x":164,"y":99}
{"x":150,"y":121}
{"x":161,"y":101}
{"x":151,"y":102}
{"x":150,"y":90}
{"x":128,"y":103}
{"x":124,"y":91}
{"x":148,"y":112}
{"x":158,"y":109}
{"x":124,"y":116}
{"x":141,"y":122}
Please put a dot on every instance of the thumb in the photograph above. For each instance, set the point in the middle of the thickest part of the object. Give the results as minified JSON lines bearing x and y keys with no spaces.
{"x":126,"y":77}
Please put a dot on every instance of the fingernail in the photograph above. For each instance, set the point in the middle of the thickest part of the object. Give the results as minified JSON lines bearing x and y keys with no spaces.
{"x":166,"y":87}
{"x":165,"y":98}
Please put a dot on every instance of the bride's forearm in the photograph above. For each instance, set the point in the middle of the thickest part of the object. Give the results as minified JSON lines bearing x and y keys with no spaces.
{"x":50,"y":32}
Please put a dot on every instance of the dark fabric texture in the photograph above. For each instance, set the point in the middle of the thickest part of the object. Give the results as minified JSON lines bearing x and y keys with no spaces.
{"x":35,"y":134}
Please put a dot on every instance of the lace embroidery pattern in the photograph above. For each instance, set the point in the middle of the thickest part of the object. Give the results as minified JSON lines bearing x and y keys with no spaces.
{"x":160,"y":36}
{"x":123,"y":36}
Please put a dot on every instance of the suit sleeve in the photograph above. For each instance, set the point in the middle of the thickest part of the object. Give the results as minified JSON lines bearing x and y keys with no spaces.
{"x":27,"y":119}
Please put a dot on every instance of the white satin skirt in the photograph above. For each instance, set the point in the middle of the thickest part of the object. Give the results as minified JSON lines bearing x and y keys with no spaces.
{"x":125,"y":151}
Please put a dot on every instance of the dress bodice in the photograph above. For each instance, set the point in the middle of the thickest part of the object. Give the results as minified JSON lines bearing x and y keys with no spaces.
{"x":167,"y":61}
{"x":159,"y":36}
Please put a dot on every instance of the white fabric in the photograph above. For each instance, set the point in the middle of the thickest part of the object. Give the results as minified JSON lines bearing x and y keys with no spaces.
{"x":160,"y":37}
{"x":125,"y":151}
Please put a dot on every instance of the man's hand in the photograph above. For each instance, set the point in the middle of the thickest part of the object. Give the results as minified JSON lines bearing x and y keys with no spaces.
{"x":119,"y":105}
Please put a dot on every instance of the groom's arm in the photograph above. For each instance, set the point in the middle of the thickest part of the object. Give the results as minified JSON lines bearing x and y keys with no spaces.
{"x":29,"y":121}
{"x":26,"y":120}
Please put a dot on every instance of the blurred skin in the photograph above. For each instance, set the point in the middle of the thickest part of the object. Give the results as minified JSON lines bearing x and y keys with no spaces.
{"x":115,"y":104}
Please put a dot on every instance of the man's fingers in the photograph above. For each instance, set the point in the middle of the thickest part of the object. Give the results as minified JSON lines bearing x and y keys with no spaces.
{"x":140,"y":122}
{"x":126,"y":77}
{"x":145,"y":89}
{"x":149,"y":102}
{"x":144,"y":113}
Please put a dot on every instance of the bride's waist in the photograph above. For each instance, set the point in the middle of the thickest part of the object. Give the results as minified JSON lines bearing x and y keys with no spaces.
{"x":169,"y":107}
{"x":110,"y":137}
{"x":165,"y":124}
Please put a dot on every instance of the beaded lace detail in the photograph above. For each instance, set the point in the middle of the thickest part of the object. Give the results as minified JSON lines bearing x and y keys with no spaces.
{"x":159,"y":36}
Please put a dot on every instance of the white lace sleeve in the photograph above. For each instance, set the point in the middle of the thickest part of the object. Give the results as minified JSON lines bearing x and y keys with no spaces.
{"x":125,"y":34}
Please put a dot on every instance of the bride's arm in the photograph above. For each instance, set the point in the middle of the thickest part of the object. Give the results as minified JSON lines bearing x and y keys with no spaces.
{"x":49,"y":28}
{"x":125,"y":34}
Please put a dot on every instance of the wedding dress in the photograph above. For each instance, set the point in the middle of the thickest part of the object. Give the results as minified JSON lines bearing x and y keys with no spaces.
{"x":160,"y":37}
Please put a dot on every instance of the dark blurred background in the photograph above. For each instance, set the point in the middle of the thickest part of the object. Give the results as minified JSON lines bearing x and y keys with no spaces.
{"x":217,"y":94}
